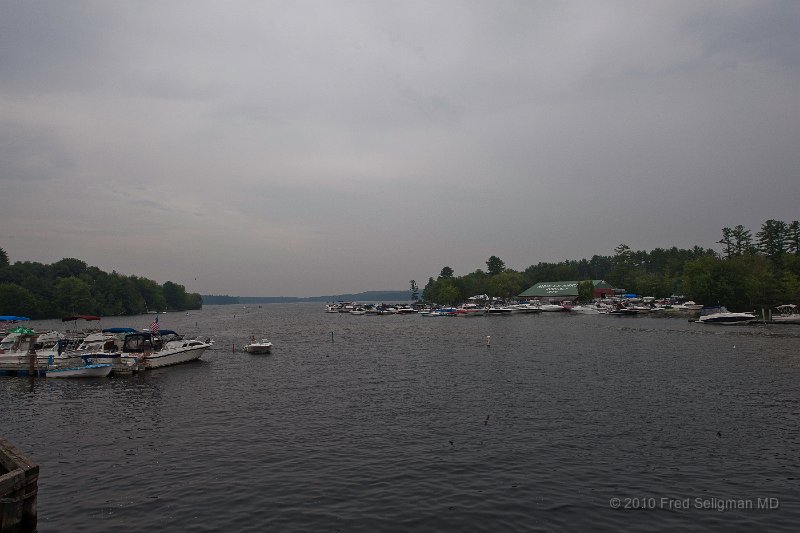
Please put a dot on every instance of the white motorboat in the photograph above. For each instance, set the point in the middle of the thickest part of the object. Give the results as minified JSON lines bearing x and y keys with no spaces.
{"x":18,"y":346}
{"x":470,"y":310}
{"x":687,"y":306}
{"x":720,"y":315}
{"x":105,"y":347}
{"x":587,"y":310}
{"x":164,"y":349}
{"x":498,"y":311}
{"x":526,"y":308}
{"x":262,"y":346}
{"x":552,"y":308}
{"x":85,"y":371}
{"x":786,"y":314}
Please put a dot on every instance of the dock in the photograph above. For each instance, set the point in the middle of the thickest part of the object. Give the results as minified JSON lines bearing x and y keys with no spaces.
{"x":19,"y":486}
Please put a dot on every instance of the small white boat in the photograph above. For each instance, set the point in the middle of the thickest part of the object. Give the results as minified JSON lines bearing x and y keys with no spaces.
{"x":586,"y":310}
{"x":720,"y":315}
{"x":526,"y":308}
{"x":258,"y":347}
{"x":86,"y":371}
{"x":552,"y":308}
{"x":687,"y":306}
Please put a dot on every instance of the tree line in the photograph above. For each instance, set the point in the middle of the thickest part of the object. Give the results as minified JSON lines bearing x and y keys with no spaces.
{"x":70,"y":287}
{"x":750,"y":271}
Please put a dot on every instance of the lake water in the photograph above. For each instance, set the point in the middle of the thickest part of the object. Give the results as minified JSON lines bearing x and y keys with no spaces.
{"x":410,"y":423}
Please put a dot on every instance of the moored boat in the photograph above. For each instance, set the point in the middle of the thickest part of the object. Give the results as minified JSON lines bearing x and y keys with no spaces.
{"x":263,"y":346}
{"x":720,"y":315}
{"x":552,"y":308}
{"x":786,"y":314}
{"x":498,"y":311}
{"x":466,"y":311}
{"x":85,"y":371}
{"x":164,"y":349}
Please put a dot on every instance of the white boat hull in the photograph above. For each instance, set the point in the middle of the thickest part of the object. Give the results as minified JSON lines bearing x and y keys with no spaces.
{"x":88,"y":371}
{"x":258,"y":349}
{"x":175,"y":356}
{"x":726,"y":318}
{"x":794,"y":319}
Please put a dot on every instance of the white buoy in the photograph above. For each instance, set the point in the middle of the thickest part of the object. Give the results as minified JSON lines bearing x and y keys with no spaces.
{"x":488,"y":340}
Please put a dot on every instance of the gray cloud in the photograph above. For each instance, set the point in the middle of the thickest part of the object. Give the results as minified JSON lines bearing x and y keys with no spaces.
{"x":313,"y":147}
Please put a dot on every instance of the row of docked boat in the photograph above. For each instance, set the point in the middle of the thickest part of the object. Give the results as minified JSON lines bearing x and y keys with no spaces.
{"x":785,"y":314}
{"x":355,"y":308}
{"x":113,"y":350}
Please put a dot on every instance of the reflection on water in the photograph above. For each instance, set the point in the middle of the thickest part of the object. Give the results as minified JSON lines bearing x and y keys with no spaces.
{"x":405,"y":422}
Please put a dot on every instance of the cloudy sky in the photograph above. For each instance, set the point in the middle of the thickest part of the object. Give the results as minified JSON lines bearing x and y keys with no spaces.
{"x":305,"y":148}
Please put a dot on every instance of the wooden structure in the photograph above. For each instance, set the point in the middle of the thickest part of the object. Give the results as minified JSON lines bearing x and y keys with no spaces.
{"x":19,"y":478}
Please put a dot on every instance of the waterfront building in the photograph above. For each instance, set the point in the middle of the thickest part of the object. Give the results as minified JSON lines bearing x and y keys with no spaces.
{"x":564,"y":290}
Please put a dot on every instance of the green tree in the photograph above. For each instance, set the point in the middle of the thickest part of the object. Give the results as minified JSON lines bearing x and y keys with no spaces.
{"x":585,"y":291}
{"x":428,"y":290}
{"x":68,"y":267}
{"x":174,"y":295}
{"x":152,"y":293}
{"x":622,"y":274}
{"x":18,"y":301}
{"x":414,"y":290}
{"x":73,"y":295}
{"x":506,"y":284}
{"x":3,"y":258}
{"x":495,"y":265}
{"x":727,"y":242}
{"x":446,"y":272}
{"x":773,"y":239}
{"x":793,"y":238}
{"x":448,"y":294}
{"x":742,"y":240}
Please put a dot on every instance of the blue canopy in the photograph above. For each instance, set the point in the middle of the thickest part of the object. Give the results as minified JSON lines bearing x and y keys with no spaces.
{"x":8,"y":318}
{"x":119,"y":330}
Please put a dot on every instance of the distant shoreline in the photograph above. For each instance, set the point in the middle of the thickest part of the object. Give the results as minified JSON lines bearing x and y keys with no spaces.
{"x":367,"y":296}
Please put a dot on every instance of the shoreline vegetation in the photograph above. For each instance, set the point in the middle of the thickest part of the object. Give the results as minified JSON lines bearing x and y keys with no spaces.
{"x":71,"y":287}
{"x":750,"y":272}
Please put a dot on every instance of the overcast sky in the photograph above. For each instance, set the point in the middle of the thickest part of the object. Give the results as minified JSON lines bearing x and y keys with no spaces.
{"x":306,"y":148}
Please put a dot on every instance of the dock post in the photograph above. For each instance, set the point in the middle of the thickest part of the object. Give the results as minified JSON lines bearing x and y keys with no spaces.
{"x":32,"y":356}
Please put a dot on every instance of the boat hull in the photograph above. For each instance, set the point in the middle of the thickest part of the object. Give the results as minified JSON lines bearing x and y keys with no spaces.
{"x":726,"y":318}
{"x":174,"y":356}
{"x":88,"y":371}
{"x":258,"y":349}
{"x":786,"y":319}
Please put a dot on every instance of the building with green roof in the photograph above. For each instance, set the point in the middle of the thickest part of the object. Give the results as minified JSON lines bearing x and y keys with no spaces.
{"x":565,"y":290}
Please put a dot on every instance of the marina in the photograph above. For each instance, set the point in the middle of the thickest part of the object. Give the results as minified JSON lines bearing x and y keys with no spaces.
{"x":393,"y":424}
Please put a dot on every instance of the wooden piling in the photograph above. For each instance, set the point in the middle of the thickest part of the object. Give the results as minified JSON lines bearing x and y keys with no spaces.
{"x":19,"y":486}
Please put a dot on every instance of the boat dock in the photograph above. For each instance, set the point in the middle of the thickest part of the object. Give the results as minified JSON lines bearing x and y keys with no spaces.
{"x":19,"y":479}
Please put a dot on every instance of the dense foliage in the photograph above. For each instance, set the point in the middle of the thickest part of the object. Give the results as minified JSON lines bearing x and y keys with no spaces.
{"x":70,"y":287}
{"x":750,"y":272}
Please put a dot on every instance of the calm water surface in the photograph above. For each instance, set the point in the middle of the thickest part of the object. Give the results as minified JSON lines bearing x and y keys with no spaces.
{"x":408,"y":423}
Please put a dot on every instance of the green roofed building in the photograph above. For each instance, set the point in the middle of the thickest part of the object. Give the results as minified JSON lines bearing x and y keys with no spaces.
{"x":565,"y":290}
